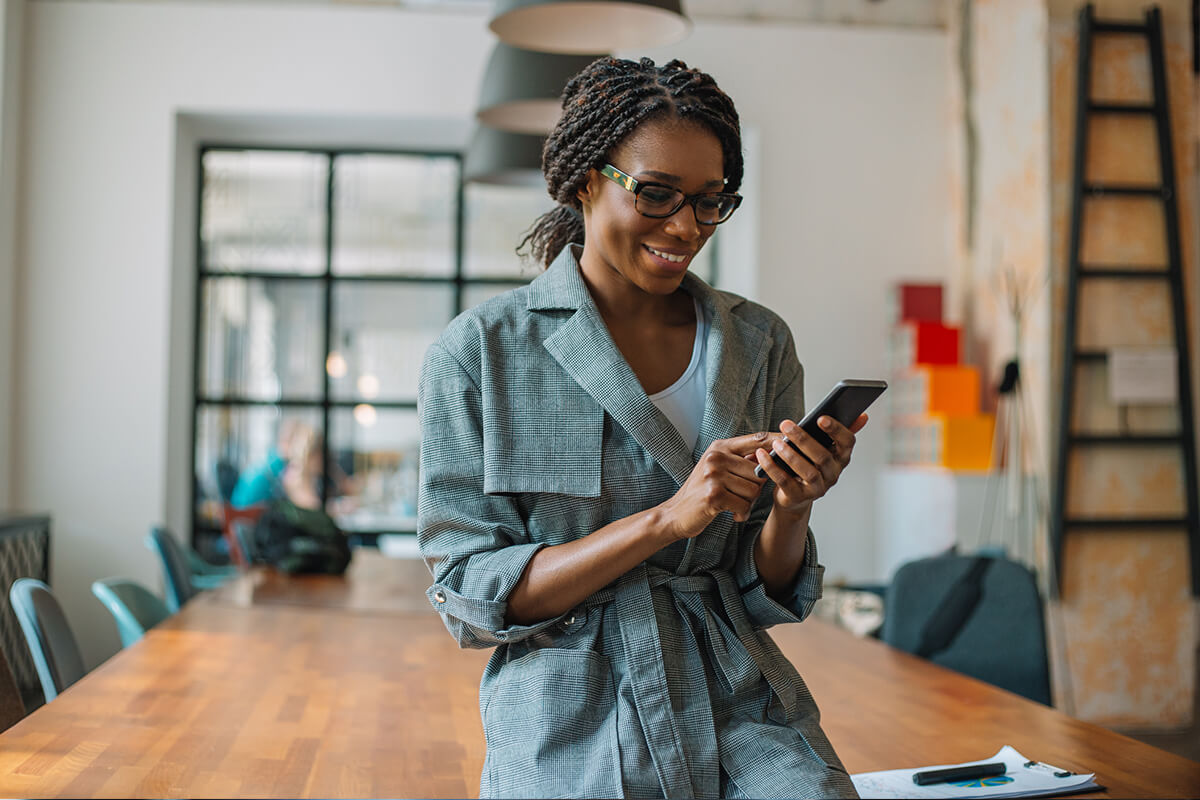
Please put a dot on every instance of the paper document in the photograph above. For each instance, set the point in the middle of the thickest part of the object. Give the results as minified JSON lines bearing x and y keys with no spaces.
{"x":1022,"y":778}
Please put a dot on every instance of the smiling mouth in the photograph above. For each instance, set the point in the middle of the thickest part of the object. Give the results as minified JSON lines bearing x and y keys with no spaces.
{"x":672,"y":257}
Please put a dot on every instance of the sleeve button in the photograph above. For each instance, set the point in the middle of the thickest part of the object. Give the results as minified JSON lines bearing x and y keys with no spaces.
{"x":439,"y":596}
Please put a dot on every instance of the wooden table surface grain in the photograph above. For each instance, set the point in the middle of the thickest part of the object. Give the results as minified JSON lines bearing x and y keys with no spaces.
{"x":372,"y":583}
{"x":267,"y":701}
{"x":886,"y":709}
{"x":269,"y":693}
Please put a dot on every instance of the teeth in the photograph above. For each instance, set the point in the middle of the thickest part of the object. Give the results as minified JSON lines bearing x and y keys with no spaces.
{"x":669,"y":257}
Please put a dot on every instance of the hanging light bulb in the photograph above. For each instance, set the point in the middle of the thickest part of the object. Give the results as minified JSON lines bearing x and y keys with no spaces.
{"x":365,"y":414}
{"x":335,"y":365}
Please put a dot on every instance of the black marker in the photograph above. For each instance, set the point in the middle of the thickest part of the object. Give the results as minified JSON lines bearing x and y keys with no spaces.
{"x":971,"y":773}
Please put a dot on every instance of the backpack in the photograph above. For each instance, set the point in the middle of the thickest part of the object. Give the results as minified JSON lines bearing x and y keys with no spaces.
{"x":300,"y":540}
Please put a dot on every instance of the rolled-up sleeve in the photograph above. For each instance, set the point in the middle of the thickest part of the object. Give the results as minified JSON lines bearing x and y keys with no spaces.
{"x":476,"y":545}
{"x":762,"y":609}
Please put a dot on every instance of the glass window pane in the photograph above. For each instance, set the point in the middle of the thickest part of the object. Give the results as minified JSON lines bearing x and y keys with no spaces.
{"x":496,"y":220}
{"x":262,"y":339}
{"x":476,"y":293}
{"x":381,"y":333}
{"x":263,"y":211}
{"x":241,"y":453}
{"x":394,"y":214}
{"x":378,"y":451}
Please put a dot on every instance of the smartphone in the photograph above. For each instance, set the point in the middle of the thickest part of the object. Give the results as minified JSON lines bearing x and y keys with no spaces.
{"x":844,"y":403}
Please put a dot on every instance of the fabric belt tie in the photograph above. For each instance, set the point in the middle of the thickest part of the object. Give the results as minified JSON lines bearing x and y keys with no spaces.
{"x":730,"y":655}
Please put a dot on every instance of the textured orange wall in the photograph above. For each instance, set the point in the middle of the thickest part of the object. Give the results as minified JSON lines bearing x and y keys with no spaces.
{"x":1127,"y":618}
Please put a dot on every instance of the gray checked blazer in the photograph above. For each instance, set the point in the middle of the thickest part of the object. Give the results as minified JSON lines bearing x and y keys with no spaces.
{"x":536,"y":432}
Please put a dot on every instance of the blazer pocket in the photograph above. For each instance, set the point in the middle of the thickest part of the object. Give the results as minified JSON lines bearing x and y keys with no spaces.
{"x":551,"y":727}
{"x":545,"y":445}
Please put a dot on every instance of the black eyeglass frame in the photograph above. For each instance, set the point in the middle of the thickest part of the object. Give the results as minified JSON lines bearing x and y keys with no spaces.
{"x":631,"y":184}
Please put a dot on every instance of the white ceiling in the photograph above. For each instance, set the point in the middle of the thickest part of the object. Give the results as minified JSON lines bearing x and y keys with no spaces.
{"x":889,"y":13}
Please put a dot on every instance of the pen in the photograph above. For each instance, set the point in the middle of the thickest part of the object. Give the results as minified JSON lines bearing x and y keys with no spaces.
{"x":973,"y":772}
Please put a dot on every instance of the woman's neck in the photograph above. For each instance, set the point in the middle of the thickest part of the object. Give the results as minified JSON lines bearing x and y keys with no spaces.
{"x":622,"y":302}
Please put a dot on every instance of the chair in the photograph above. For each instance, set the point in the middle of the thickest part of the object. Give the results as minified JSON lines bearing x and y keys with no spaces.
{"x":204,"y":575}
{"x":981,"y":616}
{"x":51,"y":642}
{"x":12,"y":706}
{"x":199,"y":573}
{"x":134,"y":608}
{"x":244,"y":531}
{"x":177,"y":575}
{"x":232,"y":520}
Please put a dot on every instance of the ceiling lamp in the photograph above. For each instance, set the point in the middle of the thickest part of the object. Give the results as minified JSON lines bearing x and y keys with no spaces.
{"x":589,"y":26}
{"x":504,"y":158}
{"x":522,"y":89}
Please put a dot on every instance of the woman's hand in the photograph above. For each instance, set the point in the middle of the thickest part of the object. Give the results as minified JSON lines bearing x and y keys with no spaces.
{"x":723,"y":480}
{"x":817,"y":473}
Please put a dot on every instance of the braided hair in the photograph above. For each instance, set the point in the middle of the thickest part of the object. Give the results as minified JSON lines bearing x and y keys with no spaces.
{"x":603,"y":105}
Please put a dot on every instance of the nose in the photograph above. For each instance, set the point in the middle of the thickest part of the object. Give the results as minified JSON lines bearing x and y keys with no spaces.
{"x":683,"y":224}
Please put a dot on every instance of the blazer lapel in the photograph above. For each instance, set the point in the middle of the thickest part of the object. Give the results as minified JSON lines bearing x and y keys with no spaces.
{"x":736,"y":354}
{"x":586,"y":351}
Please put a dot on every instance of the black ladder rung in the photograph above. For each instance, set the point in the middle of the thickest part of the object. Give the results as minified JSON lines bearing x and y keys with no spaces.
{"x":1124,"y":273}
{"x":1111,"y":26}
{"x":1125,"y":439}
{"x":1125,"y":522}
{"x":1091,"y":355}
{"x":1122,"y":108}
{"x":1148,"y":190}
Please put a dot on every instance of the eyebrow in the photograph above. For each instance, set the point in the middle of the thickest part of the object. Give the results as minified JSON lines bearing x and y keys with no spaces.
{"x":666,"y":176}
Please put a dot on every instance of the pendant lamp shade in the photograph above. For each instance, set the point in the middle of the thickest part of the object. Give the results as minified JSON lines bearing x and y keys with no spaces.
{"x":589,"y":26}
{"x":504,"y":158}
{"x":522,"y":89}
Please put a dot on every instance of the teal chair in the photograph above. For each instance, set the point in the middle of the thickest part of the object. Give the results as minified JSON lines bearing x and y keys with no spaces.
{"x":134,"y":607}
{"x":51,"y":643}
{"x":205,"y":575}
{"x":184,"y":572}
{"x":177,"y":574}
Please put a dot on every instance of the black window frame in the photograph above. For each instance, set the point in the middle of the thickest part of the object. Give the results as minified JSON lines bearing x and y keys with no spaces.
{"x":328,"y":281}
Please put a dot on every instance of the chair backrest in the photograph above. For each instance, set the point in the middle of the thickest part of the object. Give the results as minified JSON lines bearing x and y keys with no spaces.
{"x":176,"y":574}
{"x":51,"y":642}
{"x":134,"y":607}
{"x":979,"y":616}
{"x":244,"y":531}
{"x":231,"y":519}
{"x":12,"y":706}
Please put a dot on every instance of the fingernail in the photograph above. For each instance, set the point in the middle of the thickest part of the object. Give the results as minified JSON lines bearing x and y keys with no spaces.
{"x":826,"y":422}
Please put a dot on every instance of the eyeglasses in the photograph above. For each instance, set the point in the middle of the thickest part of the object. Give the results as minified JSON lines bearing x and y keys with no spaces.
{"x":659,"y":201}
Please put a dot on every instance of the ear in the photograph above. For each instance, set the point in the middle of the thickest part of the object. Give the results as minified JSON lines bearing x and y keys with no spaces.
{"x":589,"y":190}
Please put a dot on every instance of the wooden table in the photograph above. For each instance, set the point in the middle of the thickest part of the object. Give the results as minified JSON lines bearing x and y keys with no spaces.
{"x":257,"y":692}
{"x":372,"y":583}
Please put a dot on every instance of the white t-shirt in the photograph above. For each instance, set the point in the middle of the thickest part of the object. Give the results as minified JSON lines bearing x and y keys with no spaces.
{"x":683,"y":401}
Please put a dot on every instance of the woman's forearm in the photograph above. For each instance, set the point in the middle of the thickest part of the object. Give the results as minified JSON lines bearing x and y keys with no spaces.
{"x":779,"y":551}
{"x":560,"y":577}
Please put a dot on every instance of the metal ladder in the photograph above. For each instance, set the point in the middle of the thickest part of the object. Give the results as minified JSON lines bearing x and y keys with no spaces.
{"x":1070,"y":440}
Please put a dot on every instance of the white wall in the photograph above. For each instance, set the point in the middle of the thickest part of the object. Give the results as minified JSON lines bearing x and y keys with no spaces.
{"x":850,"y":133}
{"x":853,"y":198}
{"x":12,"y":25}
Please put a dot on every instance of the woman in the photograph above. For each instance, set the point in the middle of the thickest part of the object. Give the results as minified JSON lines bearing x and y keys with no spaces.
{"x":588,"y":504}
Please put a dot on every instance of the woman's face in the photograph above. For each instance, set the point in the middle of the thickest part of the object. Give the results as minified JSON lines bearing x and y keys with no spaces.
{"x":621,"y":244}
